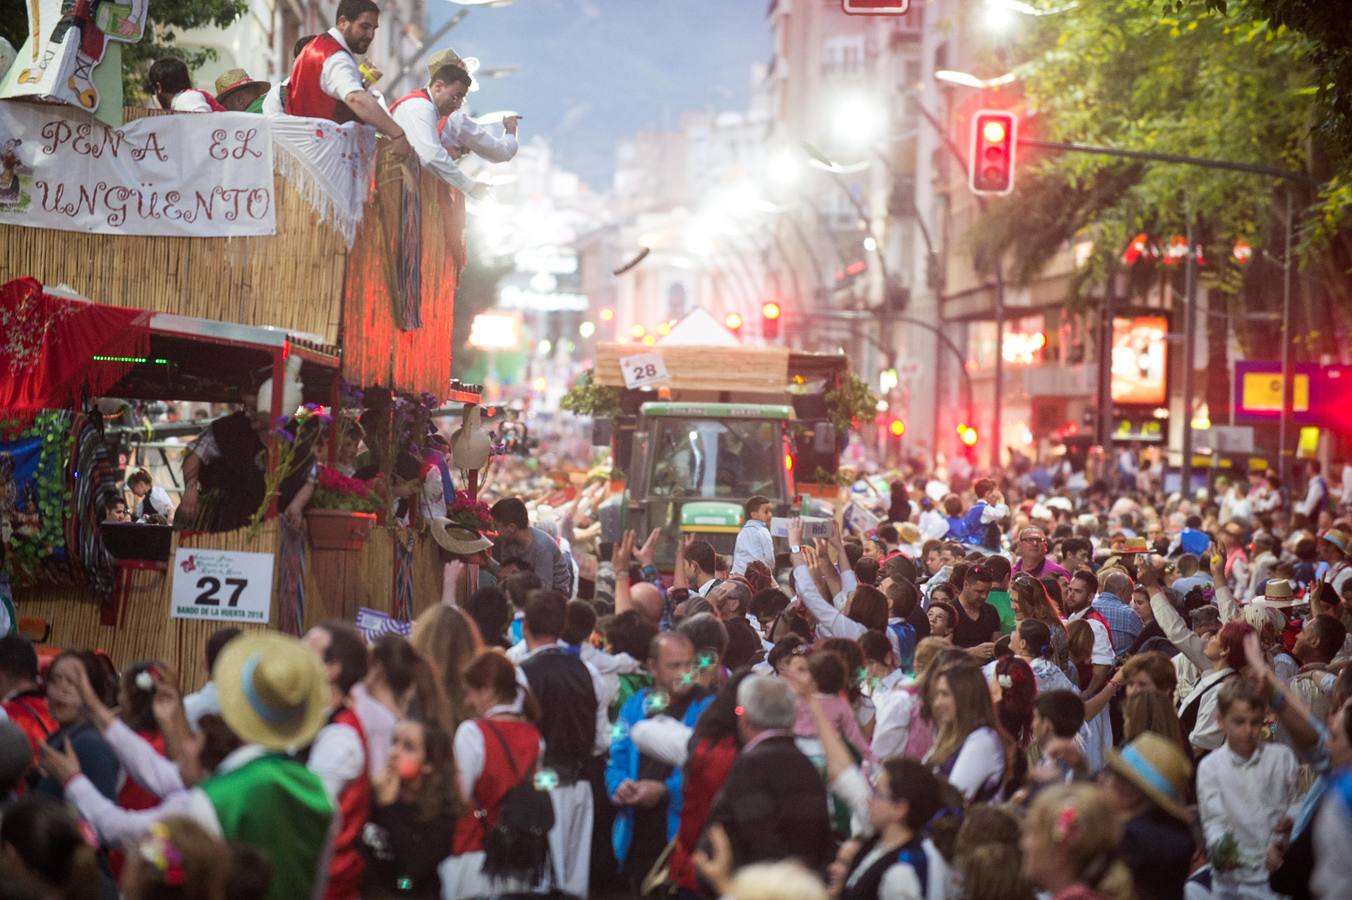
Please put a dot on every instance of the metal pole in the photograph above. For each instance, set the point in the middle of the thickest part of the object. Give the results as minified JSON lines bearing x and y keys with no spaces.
{"x":1288,"y":392}
{"x":1105,"y":368}
{"x":1189,"y":343}
{"x":999,"y":362}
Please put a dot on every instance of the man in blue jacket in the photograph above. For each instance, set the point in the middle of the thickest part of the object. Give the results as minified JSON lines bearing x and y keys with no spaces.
{"x":647,"y":791}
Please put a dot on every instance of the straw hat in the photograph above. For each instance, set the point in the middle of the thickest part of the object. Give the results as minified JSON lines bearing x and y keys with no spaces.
{"x":1337,"y":537}
{"x":232,"y":81}
{"x":454,"y":539}
{"x":273,"y":690}
{"x":909,"y":532}
{"x":1233,"y":528}
{"x":1156,"y":767}
{"x":1278,"y":593}
{"x":449,"y":57}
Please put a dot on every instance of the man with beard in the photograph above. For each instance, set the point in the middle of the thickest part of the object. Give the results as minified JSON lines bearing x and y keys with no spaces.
{"x":326,"y":83}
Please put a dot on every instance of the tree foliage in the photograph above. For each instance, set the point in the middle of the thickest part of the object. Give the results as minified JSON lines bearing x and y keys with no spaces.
{"x":1204,"y":79}
{"x":168,"y":19}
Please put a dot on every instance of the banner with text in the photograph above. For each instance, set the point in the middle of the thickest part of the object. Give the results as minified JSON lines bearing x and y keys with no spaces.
{"x":186,"y":175}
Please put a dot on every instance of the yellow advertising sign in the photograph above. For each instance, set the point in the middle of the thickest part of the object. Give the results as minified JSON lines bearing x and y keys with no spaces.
{"x":1262,"y":392}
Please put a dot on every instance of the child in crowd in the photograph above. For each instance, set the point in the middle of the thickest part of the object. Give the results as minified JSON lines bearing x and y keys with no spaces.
{"x":1243,"y":790}
{"x":1068,"y":844}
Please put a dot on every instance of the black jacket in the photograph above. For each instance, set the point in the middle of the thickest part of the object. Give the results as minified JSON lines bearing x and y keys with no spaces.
{"x":773,"y":805}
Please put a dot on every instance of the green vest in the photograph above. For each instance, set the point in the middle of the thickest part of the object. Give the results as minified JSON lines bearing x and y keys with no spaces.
{"x":279,"y":806}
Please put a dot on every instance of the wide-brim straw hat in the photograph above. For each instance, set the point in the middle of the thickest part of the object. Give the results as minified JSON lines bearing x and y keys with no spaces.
{"x":1337,"y":537}
{"x":273,"y":690}
{"x":454,"y":539}
{"x":909,"y":532}
{"x":1278,"y":592}
{"x":234,"y":80}
{"x":1156,"y":767}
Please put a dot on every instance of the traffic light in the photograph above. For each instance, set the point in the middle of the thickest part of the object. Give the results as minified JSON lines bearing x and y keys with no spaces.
{"x":991,"y":165}
{"x":967,"y":434}
{"x":733,"y":321}
{"x":770,"y":313}
{"x":897,"y":427}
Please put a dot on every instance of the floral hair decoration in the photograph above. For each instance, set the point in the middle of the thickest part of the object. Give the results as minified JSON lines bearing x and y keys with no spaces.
{"x":1066,"y":825}
{"x":159,"y":851}
{"x":145,"y":679}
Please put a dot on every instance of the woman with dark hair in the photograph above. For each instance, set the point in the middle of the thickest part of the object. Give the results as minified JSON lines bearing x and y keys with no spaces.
{"x":97,"y":760}
{"x":494,"y":750}
{"x":400,"y":682}
{"x":417,"y":802}
{"x":1032,"y":599}
{"x":707,"y":752}
{"x":45,"y":839}
{"x":135,"y":706}
{"x":1031,"y":642}
{"x":1014,"y":687}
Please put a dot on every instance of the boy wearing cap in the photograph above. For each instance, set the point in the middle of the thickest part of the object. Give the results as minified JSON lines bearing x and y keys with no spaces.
{"x":1332,"y":547}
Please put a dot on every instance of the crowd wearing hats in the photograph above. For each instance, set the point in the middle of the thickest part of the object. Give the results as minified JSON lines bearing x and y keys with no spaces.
{"x":974,"y":688}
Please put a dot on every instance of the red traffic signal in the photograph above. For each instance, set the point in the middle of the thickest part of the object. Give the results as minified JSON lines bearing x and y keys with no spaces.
{"x":991,"y":164}
{"x":770,"y":313}
{"x":967,"y":434}
{"x":875,"y":7}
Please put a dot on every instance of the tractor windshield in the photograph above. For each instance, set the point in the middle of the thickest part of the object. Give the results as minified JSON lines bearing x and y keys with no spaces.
{"x":734,"y":458}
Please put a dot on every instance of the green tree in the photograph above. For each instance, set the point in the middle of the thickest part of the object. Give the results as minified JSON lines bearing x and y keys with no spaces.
{"x":168,"y":18}
{"x":1227,"y":85}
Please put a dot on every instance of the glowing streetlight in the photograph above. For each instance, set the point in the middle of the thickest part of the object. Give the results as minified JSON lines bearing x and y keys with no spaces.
{"x":586,"y":329}
{"x":638,"y":331}
{"x":968,"y":80}
{"x":607,"y":314}
{"x":785,"y":169}
{"x":858,"y":120}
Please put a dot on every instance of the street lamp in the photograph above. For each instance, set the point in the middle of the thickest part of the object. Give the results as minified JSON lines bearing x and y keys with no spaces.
{"x":968,"y":80}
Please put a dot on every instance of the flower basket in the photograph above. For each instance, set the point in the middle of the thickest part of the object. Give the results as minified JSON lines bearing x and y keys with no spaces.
{"x":338,"y":529}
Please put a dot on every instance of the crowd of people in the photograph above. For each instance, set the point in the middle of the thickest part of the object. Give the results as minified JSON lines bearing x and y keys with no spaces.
{"x":1070,"y":693}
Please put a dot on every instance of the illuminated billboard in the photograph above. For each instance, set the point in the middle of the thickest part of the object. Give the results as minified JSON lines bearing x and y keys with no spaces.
{"x":1140,"y":360}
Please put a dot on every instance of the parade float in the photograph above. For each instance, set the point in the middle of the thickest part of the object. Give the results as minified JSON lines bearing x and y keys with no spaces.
{"x":211,"y":258}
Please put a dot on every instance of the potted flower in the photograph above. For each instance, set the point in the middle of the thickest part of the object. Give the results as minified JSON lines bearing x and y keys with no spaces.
{"x":343,"y":510}
{"x":466,"y":512}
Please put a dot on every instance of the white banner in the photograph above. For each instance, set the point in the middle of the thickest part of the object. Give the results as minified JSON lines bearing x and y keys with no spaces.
{"x":224,"y":585}
{"x":66,"y":42}
{"x":182,"y":175}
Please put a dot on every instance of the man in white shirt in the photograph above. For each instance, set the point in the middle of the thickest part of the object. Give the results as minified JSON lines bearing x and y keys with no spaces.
{"x":459,"y":133}
{"x":326,"y":83}
{"x":418,"y":112}
{"x":1316,"y":493}
{"x":754,"y":541}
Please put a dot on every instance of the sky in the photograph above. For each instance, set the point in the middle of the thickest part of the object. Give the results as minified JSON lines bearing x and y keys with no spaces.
{"x":593,"y":72}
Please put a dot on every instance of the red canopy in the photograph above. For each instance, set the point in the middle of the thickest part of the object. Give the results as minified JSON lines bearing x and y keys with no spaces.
{"x":48,"y":345}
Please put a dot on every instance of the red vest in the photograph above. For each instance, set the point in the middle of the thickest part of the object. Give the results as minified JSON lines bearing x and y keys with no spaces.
{"x":29,"y":711}
{"x":495,"y":781}
{"x":211,"y":101}
{"x":305,"y":97}
{"x":346,"y":865}
{"x":420,"y":92}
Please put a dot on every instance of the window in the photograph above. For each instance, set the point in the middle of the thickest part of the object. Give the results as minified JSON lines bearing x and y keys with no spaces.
{"x":843,"y":56}
{"x":733,"y":458}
